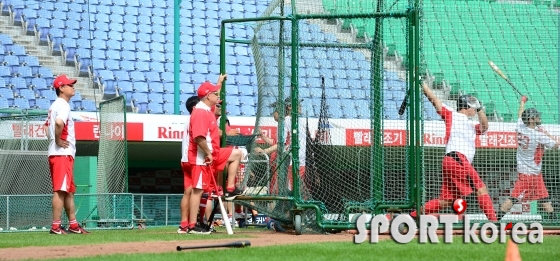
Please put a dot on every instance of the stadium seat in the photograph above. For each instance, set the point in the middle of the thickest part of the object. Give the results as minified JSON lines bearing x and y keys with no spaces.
{"x":154,"y":97}
{"x":4,"y":104}
{"x":42,"y":104}
{"x":155,"y":108}
{"x":233,"y":110}
{"x":247,"y":110}
{"x":89,"y":105}
{"x":21,"y":103}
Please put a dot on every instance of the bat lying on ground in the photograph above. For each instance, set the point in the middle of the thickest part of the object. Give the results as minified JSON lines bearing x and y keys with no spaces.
{"x":230,"y":244}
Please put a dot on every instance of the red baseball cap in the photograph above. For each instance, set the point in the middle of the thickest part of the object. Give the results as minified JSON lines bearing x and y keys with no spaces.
{"x":62,"y":80}
{"x":207,"y":88}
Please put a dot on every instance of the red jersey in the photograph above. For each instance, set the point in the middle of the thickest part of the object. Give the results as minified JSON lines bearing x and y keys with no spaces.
{"x":203,"y":123}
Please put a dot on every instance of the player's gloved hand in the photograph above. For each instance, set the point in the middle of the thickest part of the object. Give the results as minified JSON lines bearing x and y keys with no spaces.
{"x":524,"y":99}
{"x":474,"y":103}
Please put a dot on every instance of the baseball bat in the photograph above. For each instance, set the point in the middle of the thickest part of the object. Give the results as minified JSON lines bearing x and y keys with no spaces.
{"x":225,"y":217}
{"x":403,"y":104}
{"x":222,"y":209}
{"x":231,"y":244}
{"x":499,"y":72}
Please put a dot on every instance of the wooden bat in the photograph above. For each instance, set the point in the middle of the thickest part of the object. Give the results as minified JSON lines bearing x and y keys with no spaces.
{"x":231,"y":244}
{"x":403,"y":104}
{"x":499,"y":72}
{"x":222,"y":208}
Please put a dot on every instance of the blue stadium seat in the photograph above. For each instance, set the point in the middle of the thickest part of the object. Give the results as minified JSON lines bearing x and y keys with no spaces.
{"x":155,"y":97}
{"x":168,"y":98}
{"x":430,"y":112}
{"x":140,"y":87}
{"x":124,"y":87}
{"x":136,"y":76}
{"x":4,"y":103}
{"x":168,"y":108}
{"x":165,"y":76}
{"x":39,"y":84}
{"x":246,"y":101}
{"x":7,"y":93}
{"x":128,"y":66}
{"x":139,"y":97}
{"x":247,"y":110}
{"x":121,"y":76}
{"x":152,"y":77}
{"x":155,"y":108}
{"x":42,"y":104}
{"x":89,"y":105}
{"x":349,"y":112}
{"x":21,"y":103}
{"x":157,"y":67}
{"x":233,"y":110}
{"x":169,"y":87}
{"x":156,"y":87}
{"x":18,"y":83}
{"x":141,"y":66}
{"x":48,"y":94}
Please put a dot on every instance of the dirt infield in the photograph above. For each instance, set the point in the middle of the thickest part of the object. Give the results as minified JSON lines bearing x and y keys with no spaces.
{"x":264,"y":238}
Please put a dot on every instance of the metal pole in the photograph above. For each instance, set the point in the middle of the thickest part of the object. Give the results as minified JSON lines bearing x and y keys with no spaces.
{"x":167,"y":208}
{"x":177,"y":55}
{"x":7,"y":213}
{"x":295,"y":110}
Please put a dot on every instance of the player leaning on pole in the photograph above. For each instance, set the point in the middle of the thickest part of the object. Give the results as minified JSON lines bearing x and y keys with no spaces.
{"x":459,"y":176}
{"x":531,"y":142}
{"x":204,"y":151}
{"x":61,"y":152}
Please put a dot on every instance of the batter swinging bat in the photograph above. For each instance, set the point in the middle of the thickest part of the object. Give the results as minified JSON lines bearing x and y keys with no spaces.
{"x":499,"y":72}
{"x":231,"y":244}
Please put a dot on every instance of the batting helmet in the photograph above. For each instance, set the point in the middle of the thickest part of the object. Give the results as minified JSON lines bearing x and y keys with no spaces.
{"x":530,"y":113}
{"x":463,"y":102}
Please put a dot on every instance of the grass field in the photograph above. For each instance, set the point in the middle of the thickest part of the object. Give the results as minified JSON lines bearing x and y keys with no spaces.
{"x":385,"y":250}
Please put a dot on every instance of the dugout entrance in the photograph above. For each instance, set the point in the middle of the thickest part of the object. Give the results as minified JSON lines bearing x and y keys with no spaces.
{"x":333,"y":158}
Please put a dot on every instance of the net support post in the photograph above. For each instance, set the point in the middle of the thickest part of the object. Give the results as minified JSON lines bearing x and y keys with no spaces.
{"x":176,"y":55}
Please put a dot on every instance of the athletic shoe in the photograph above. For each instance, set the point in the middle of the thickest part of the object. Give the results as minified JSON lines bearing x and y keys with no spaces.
{"x":78,"y":230}
{"x":199,"y":230}
{"x":58,"y":231}
{"x":183,"y":230}
{"x":231,"y":195}
{"x":239,"y":215}
{"x":209,"y":227}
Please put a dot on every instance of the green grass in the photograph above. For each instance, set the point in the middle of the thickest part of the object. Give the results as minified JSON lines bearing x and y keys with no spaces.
{"x":385,"y":250}
{"x":26,"y":239}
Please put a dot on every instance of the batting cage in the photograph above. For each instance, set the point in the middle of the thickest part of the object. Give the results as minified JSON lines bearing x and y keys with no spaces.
{"x":335,"y":145}
{"x":349,"y":129}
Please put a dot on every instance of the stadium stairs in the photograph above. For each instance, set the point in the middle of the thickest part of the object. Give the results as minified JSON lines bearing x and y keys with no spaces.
{"x":46,"y":59}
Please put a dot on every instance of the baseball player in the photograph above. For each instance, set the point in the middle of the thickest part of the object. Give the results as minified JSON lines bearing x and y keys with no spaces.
{"x":459,"y":176}
{"x":62,"y":150}
{"x":186,"y":167}
{"x":531,"y":142}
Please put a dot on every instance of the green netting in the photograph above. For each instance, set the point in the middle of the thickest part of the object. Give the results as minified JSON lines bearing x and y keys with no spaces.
{"x":112,"y":160}
{"x":335,"y":80}
{"x":24,"y":170}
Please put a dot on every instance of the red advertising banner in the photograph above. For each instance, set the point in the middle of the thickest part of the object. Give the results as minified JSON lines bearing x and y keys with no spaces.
{"x":90,"y":131}
{"x":492,"y":139}
{"x":362,"y":137}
